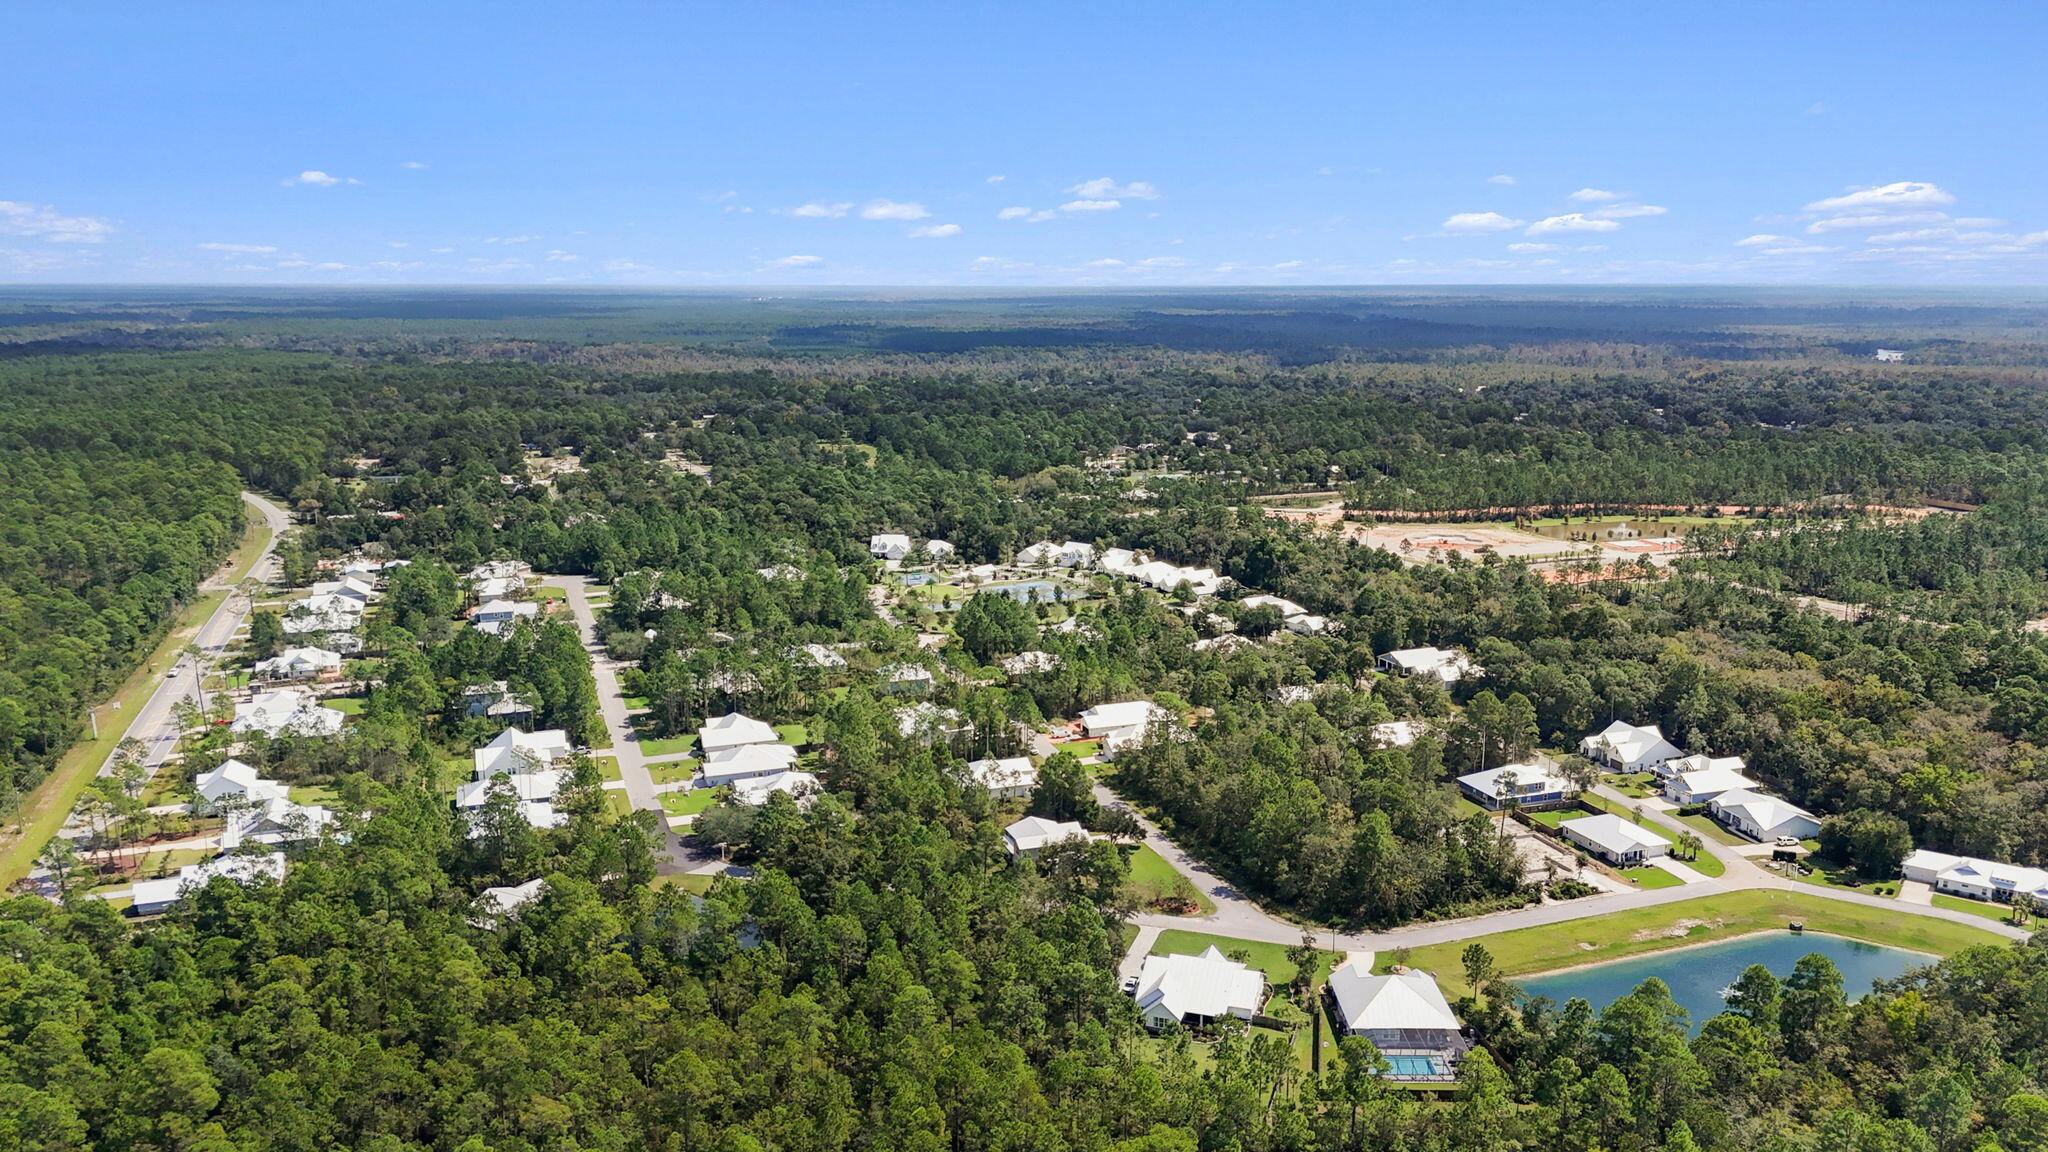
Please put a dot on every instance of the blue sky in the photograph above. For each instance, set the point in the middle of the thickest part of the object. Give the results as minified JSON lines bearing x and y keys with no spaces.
{"x":1029,"y":144}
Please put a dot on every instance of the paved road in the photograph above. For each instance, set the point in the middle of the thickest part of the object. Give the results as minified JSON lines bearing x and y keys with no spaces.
{"x":152,"y":724}
{"x":675,"y":855}
{"x":1240,"y":918}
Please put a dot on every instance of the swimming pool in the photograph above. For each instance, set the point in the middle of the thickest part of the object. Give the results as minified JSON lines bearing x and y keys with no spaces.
{"x":1416,"y":1067}
{"x":1028,"y":591}
{"x":917,"y":579}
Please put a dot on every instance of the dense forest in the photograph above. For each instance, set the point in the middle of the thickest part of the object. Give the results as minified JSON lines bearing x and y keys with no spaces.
{"x":888,"y":978}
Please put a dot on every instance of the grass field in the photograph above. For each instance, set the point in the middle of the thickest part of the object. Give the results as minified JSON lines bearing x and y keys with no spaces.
{"x":1268,"y":958}
{"x":1649,"y":876}
{"x":1706,"y":864}
{"x":1835,"y":874}
{"x":1081,"y":749}
{"x":346,"y":705}
{"x":1998,"y":912}
{"x":635,"y":703}
{"x":1149,"y":867}
{"x":1527,"y":951}
{"x":616,"y":800}
{"x":673,"y":770}
{"x":607,"y":767}
{"x":691,"y":802}
{"x":794,"y":735}
{"x":693,"y":883}
{"x":1708,"y":830}
{"x":314,"y":794}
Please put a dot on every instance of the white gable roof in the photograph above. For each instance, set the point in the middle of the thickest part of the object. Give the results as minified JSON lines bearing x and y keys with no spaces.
{"x":1532,"y":779}
{"x":1402,"y":1000}
{"x":1002,"y":775}
{"x":1631,"y":743}
{"x":1768,"y":813}
{"x":755,"y":791}
{"x":155,"y":894}
{"x":1445,"y":664}
{"x":732,"y":730}
{"x":1210,"y":984}
{"x":234,"y":778}
{"x":1713,"y":780}
{"x":743,"y":760}
{"x":524,"y":786}
{"x":1611,"y":833}
{"x":1035,"y":832}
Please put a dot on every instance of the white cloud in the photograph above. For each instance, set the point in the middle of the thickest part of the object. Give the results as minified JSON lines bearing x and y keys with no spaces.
{"x":1288,"y":265}
{"x":1626,"y":211}
{"x":626,"y":266}
{"x":1875,"y":220}
{"x":1091,"y":206}
{"x":892,"y":210}
{"x":557,"y":256}
{"x":935,"y":231}
{"x":1527,"y":246}
{"x":1503,"y":178}
{"x":1902,"y":195}
{"x":1769,"y":244}
{"x":818,"y":210}
{"x":797,"y":262}
{"x":1105,"y":262}
{"x":519,"y":239}
{"x":1028,"y":215}
{"x":1570,"y":222}
{"x":443,"y":251}
{"x":1817,"y":108}
{"x":415,"y":165}
{"x":1162,"y":262}
{"x":1105,"y":188}
{"x":315,"y":178}
{"x":1478,"y":223}
{"x":1594,"y":196}
{"x":240,"y":249}
{"x":396,"y":244}
{"x":21,"y":218}
{"x":995,"y":179}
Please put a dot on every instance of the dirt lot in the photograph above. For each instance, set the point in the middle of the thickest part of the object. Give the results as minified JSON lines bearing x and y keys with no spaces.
{"x":1428,"y":543}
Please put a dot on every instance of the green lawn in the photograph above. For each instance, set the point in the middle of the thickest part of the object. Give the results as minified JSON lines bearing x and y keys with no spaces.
{"x":1526,"y":951}
{"x":673,"y":770}
{"x":794,"y":735}
{"x":346,"y":705}
{"x":607,"y":767}
{"x":1650,"y":876}
{"x":692,"y":801}
{"x":1148,"y":867}
{"x":1082,"y":749}
{"x":1989,"y":911}
{"x":693,"y":883}
{"x":549,"y":592}
{"x":1706,"y":864}
{"x":1636,"y":786}
{"x":616,"y":800}
{"x":314,"y":794}
{"x":1268,"y":958}
{"x":635,"y":703}
{"x":1835,"y":874}
{"x":1708,"y":830}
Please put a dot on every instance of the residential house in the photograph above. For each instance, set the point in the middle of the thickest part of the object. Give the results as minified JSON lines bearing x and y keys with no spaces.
{"x":1400,"y":733}
{"x":497,"y":617}
{"x":1403,"y":1013}
{"x":733,"y":730}
{"x":513,"y":752}
{"x":1197,"y":991}
{"x":780,"y":572}
{"x":906,"y":679}
{"x":233,"y":781}
{"x":495,"y":907}
{"x":800,"y":786}
{"x":517,"y":570}
{"x":1010,"y":778}
{"x":931,"y":724}
{"x":153,"y":896}
{"x":1123,"y":724}
{"x":1975,"y":879}
{"x":1309,"y":624}
{"x":1027,"y":836}
{"x":1046,"y":554}
{"x":1026,"y":663}
{"x":1890,"y":356}
{"x":1536,"y":784}
{"x":285,"y":710}
{"x":818,"y":656}
{"x":300,"y":664}
{"x":1762,"y":818}
{"x":1120,"y":561}
{"x":744,"y":762}
{"x":889,"y":546}
{"x":526,"y":787}
{"x":938,"y":549}
{"x":1701,"y":787}
{"x":1625,"y":747}
{"x":1698,"y":762}
{"x":1446,"y":664}
{"x":1619,"y":842}
{"x":277,"y":820}
{"x":496,"y":700}
{"x":356,"y":588}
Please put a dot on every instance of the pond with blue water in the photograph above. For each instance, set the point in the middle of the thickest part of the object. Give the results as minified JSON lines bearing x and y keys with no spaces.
{"x":1698,"y":975}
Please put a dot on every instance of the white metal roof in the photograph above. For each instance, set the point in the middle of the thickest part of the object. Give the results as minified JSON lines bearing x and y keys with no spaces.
{"x":1403,"y":1000}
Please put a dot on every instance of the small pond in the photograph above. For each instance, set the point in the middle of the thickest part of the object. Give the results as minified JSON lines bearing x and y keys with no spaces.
{"x":1698,"y":975}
